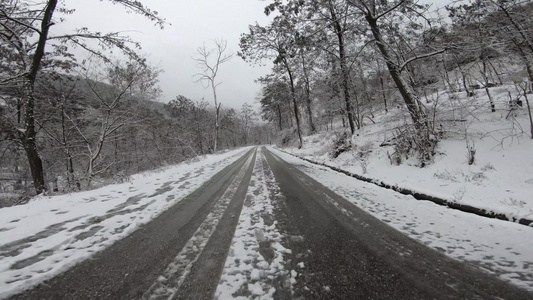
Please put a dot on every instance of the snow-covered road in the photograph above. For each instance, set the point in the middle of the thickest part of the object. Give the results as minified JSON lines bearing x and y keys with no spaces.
{"x":47,"y":236}
{"x":267,"y":255}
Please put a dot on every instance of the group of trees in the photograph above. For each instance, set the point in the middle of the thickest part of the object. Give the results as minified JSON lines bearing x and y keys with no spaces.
{"x":30,"y":53}
{"x":31,"y":56}
{"x":191,"y":127}
{"x":67,"y":122}
{"x":346,"y":59}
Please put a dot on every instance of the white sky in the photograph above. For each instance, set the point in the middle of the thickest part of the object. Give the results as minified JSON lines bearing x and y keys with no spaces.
{"x":171,"y":49}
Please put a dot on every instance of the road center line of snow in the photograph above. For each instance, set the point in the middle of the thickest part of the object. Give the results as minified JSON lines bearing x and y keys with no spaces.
{"x":174,"y":275}
{"x":248,"y":268}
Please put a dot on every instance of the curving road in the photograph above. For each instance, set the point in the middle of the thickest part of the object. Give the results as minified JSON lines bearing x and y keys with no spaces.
{"x":263,"y":229}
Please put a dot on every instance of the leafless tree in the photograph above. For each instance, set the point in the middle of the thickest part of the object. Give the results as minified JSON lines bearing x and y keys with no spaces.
{"x":25,"y":35}
{"x":208,"y":60}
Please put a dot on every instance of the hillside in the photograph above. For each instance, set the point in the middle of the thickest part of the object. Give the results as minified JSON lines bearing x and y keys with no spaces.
{"x":500,"y":179}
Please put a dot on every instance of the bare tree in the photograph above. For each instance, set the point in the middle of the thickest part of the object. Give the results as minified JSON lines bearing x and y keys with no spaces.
{"x":247,"y":114}
{"x":209,"y":60}
{"x":276,"y":41}
{"x":15,"y":32}
{"x":112,"y":95}
{"x":338,"y":22}
{"x":25,"y":29}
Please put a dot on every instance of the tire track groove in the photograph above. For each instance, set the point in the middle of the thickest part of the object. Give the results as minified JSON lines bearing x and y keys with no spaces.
{"x":172,"y":278}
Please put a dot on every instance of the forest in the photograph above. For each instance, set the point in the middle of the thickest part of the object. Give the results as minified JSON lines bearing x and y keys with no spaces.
{"x":350,"y":59}
{"x":70,"y":125}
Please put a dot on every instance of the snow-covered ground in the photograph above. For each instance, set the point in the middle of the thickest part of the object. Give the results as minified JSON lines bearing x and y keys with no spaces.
{"x":252,"y":268}
{"x":48,"y":235}
{"x":499,"y":247}
{"x":499,"y":180}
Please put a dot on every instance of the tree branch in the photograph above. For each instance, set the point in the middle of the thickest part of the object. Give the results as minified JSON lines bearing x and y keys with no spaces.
{"x":389,"y":10}
{"x":27,"y":26}
{"x":412,"y":59}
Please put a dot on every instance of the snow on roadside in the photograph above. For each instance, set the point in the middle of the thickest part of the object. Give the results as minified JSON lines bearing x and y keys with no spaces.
{"x":48,"y":235}
{"x":255,"y":263}
{"x":500,"y":179}
{"x":499,"y":247}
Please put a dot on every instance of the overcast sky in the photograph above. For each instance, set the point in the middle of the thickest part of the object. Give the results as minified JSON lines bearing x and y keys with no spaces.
{"x":171,"y":49}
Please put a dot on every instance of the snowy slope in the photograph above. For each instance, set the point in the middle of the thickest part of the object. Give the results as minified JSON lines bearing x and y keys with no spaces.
{"x":501,"y":178}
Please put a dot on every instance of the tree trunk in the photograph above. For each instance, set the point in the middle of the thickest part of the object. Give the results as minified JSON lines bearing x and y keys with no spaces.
{"x":383,"y":93}
{"x":529,"y":112}
{"x":295,"y":104}
{"x":217,"y":111}
{"x":365,"y":90}
{"x":312,"y":127}
{"x":463,"y":77}
{"x":199,"y":132}
{"x":70,"y":163}
{"x":518,"y":27}
{"x":35,"y":162}
{"x":344,"y":69}
{"x":486,"y":83}
{"x":279,"y":118}
{"x":446,"y":75}
{"x":357,"y":119}
{"x":407,"y":95}
{"x":527,"y":63}
{"x":380,"y":75}
{"x":307,"y":95}
{"x":498,"y":75}
{"x":29,"y":135}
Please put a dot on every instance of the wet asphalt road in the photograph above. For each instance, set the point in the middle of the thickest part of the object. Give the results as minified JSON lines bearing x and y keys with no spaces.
{"x":347,"y":253}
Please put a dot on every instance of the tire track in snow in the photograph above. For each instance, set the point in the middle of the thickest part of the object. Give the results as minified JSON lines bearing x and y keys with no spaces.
{"x":168,"y":284}
{"x":255,"y":266}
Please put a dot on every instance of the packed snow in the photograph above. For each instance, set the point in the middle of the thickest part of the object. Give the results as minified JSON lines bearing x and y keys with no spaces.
{"x":256,"y":263}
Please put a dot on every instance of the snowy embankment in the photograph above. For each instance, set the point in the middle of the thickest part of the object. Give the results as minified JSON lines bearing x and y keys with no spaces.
{"x":48,"y":235}
{"x":501,"y":178}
